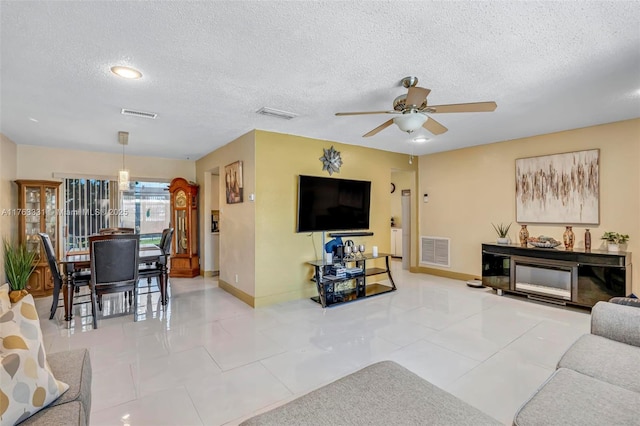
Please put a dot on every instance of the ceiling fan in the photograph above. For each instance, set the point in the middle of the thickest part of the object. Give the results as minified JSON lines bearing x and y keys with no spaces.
{"x":412,"y":109}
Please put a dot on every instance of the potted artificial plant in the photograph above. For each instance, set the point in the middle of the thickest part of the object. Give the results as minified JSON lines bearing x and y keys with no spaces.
{"x":503,"y":233}
{"x":19,"y":263}
{"x":614,"y":240}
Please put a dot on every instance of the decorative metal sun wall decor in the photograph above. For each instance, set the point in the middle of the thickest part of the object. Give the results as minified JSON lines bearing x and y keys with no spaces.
{"x":331,"y":161}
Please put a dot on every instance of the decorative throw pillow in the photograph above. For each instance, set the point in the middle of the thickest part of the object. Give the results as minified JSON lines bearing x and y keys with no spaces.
{"x":28,"y":384}
{"x":5,"y":303}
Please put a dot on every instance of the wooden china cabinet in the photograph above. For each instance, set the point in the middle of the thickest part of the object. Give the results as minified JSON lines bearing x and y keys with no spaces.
{"x":184,"y":218}
{"x":39,"y":211}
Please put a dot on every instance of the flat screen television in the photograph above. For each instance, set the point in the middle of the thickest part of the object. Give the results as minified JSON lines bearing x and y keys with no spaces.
{"x":331,"y":204}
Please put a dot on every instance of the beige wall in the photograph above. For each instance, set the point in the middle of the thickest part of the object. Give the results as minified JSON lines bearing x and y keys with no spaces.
{"x":281,"y":253}
{"x":471,"y":188}
{"x":237,"y":221}
{"x":8,"y":195}
{"x":36,"y":162}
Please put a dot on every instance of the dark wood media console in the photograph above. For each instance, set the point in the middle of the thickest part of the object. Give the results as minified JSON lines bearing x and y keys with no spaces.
{"x":556,"y":275}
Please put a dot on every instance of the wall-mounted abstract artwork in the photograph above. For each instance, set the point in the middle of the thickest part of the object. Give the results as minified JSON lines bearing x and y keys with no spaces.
{"x":559,"y":188}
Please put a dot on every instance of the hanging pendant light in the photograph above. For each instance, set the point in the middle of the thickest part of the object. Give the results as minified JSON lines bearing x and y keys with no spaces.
{"x":123,"y":174}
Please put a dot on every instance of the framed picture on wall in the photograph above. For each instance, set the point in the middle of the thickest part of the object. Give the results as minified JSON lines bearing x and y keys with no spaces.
{"x":559,"y":188}
{"x":233,"y":182}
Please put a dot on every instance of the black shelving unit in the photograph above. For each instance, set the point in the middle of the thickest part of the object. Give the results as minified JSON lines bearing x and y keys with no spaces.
{"x":353,"y":287}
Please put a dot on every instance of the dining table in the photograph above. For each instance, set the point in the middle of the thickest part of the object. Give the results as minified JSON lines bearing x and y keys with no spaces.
{"x":76,"y":260}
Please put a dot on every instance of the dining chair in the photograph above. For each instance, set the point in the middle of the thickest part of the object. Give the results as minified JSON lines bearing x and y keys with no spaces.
{"x":78,"y":278}
{"x":116,"y":231}
{"x":159,"y":269}
{"x":114,"y":268}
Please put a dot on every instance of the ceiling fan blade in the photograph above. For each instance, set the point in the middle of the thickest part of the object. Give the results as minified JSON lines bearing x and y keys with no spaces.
{"x":380,"y":127}
{"x":434,"y":127}
{"x":470,"y":107}
{"x":416,"y":96}
{"x":366,"y":112}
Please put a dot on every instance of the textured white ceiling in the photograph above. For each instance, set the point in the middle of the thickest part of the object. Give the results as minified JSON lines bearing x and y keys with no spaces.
{"x":208,"y":66}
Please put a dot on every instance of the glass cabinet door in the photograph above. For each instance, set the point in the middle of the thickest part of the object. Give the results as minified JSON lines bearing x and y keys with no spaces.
{"x":33,"y":211}
{"x":50,"y":217}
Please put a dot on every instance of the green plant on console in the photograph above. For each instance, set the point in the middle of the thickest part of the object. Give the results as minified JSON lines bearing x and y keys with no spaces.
{"x":615,"y":238}
{"x":18,"y":264}
{"x":502,"y":229}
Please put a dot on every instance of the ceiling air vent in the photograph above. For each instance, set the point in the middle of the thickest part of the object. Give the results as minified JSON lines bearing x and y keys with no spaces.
{"x":151,"y":115}
{"x":271,"y":112}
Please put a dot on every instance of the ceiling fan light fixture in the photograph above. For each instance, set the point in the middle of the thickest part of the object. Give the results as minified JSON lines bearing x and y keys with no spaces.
{"x":410,"y":122}
{"x":126,"y":72}
{"x":420,"y":139}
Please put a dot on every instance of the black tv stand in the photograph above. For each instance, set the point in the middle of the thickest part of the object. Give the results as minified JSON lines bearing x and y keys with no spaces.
{"x":332,"y":291}
{"x":351,"y":234}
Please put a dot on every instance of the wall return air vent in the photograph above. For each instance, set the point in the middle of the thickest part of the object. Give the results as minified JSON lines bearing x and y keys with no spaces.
{"x":142,"y":114}
{"x":271,"y":112}
{"x":434,"y":251}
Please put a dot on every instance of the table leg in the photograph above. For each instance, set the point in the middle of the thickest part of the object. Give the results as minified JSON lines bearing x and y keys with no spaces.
{"x":67,"y":293}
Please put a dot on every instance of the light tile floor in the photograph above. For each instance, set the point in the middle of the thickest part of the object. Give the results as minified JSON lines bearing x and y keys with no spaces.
{"x":208,"y":358}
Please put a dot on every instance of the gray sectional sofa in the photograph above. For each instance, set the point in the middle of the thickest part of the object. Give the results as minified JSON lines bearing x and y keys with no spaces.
{"x":597,"y":382}
{"x":74,"y":406}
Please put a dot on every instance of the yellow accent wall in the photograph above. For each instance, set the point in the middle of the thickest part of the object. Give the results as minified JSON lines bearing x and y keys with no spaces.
{"x":258,"y":239}
{"x":473,"y":187}
{"x":8,"y":195}
{"x":281,"y":253}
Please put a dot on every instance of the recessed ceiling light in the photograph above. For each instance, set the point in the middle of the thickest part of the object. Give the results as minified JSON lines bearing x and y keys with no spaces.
{"x":420,"y":139}
{"x":126,"y":72}
{"x":33,"y":119}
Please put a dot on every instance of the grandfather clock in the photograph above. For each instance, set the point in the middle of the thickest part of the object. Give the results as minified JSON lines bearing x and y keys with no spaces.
{"x":184,"y":217}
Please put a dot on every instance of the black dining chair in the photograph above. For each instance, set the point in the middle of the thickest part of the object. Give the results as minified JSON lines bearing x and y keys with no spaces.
{"x":159,"y":269}
{"x":78,"y":278}
{"x":114,"y":268}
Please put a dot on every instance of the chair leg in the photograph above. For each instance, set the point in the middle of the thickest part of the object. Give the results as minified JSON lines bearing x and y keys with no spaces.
{"x":135,"y":302}
{"x":100,"y":302}
{"x":54,"y":303}
{"x":94,"y":311}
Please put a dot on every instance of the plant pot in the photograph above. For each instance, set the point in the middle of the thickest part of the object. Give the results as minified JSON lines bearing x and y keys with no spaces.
{"x":16,"y":295}
{"x":502,"y":240}
{"x":613,"y":247}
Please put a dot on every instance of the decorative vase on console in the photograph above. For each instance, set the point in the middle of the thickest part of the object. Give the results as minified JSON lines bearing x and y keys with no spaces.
{"x":568,"y":237}
{"x":523,"y":235}
{"x":587,"y":240}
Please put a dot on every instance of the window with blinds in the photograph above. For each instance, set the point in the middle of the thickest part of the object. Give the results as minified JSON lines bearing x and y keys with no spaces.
{"x":87,"y":208}
{"x":93,"y":204}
